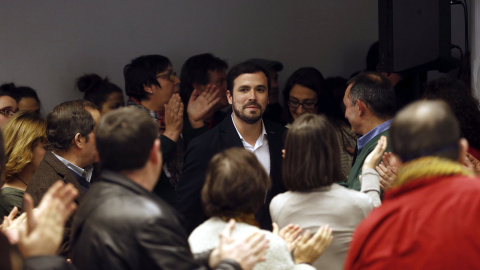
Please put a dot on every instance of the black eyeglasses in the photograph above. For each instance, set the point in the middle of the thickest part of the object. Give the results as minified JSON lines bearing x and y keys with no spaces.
{"x":306,"y":105}
{"x":171,"y":75}
{"x":8,"y":112}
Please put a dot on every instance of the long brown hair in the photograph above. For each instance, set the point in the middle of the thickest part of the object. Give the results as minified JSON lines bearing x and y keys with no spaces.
{"x":312,"y":155}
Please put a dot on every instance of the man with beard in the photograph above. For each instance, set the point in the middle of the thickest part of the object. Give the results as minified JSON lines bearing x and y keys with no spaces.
{"x":248,"y":86}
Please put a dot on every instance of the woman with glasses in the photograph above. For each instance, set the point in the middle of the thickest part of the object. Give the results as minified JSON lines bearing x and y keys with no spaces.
{"x":25,"y":142}
{"x":305,"y":92}
{"x":27,"y":98}
{"x":101,"y":92}
{"x":8,"y":107}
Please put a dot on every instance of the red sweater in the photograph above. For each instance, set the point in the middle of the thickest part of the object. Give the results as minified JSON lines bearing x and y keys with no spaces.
{"x":430,"y":223}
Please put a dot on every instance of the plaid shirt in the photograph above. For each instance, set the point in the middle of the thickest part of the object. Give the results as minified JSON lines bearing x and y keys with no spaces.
{"x":174,"y":162}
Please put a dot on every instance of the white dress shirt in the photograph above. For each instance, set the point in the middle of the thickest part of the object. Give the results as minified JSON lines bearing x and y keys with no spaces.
{"x":260,"y":149}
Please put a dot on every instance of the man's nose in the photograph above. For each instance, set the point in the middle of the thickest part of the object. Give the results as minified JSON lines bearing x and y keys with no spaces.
{"x":300,"y":109}
{"x":252,"y":95}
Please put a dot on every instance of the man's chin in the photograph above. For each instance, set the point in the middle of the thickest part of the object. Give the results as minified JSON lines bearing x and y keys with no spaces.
{"x":251,"y":119}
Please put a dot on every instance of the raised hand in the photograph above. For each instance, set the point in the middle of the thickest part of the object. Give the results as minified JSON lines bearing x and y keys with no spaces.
{"x":11,"y":225}
{"x":173,"y":118}
{"x":202,"y":105}
{"x":374,"y":157}
{"x":387,"y":171}
{"x":289,"y":233}
{"x":43,"y":231}
{"x":472,"y":163}
{"x":309,"y":249}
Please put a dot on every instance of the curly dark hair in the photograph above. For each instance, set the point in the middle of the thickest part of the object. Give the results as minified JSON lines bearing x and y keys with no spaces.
{"x":464,"y":105}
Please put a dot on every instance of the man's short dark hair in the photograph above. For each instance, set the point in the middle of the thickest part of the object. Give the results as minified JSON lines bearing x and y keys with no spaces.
{"x":235,"y":183}
{"x":195,"y":71}
{"x":311,"y":154}
{"x":375,"y":91}
{"x":244,"y":68}
{"x":66,"y":120}
{"x":124,"y":139}
{"x":143,"y":71}
{"x":425,"y":128}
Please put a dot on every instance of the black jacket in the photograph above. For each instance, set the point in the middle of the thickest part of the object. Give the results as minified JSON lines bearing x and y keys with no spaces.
{"x":199,"y":152}
{"x":120,"y":225}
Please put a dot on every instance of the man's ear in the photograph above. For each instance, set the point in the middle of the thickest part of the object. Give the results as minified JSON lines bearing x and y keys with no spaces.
{"x":361,"y":107}
{"x":156,"y":152}
{"x":229,"y":97}
{"x":283,"y":153}
{"x":78,"y":140}
{"x":463,"y":149}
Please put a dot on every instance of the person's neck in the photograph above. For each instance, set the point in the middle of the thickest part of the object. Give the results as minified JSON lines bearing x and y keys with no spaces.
{"x":371,"y":123}
{"x":150,"y":104}
{"x":145,"y":177}
{"x":249,"y":132}
{"x":21,"y":179}
{"x":72,"y":157}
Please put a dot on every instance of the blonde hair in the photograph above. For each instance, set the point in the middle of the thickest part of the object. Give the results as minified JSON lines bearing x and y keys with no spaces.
{"x":22,"y":131}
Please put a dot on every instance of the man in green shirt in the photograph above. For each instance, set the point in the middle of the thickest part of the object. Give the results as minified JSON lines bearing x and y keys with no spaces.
{"x":370,"y":106}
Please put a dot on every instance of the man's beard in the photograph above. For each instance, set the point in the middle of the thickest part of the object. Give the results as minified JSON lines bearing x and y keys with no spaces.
{"x":247,"y":118}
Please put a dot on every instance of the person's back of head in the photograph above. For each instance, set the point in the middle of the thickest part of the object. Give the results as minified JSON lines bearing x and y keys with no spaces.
{"x":465,"y":107}
{"x":99,"y":91}
{"x":312,"y":156}
{"x":375,"y":91}
{"x":66,"y":120}
{"x":425,"y":128}
{"x":235,"y":184}
{"x":124,"y":138}
{"x":142,"y":71}
{"x":196,"y":71}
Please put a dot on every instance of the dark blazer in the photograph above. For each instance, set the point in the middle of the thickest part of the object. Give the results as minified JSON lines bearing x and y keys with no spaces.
{"x":199,"y":152}
{"x":50,"y":170}
{"x":121,"y":225}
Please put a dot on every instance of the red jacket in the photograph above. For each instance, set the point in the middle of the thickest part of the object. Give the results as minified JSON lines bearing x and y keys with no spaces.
{"x":431,"y":223}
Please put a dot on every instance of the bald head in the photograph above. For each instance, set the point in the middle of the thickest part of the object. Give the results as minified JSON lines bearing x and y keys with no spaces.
{"x":425,"y":128}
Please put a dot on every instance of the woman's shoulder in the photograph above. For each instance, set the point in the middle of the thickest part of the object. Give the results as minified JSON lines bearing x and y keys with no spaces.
{"x":355,"y":197}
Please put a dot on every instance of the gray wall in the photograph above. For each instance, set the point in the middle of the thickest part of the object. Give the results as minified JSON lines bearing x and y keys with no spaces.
{"x":48,"y":44}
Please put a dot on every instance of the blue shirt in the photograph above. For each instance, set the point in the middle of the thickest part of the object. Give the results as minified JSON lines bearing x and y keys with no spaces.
{"x":85,"y":173}
{"x":362,"y":141}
